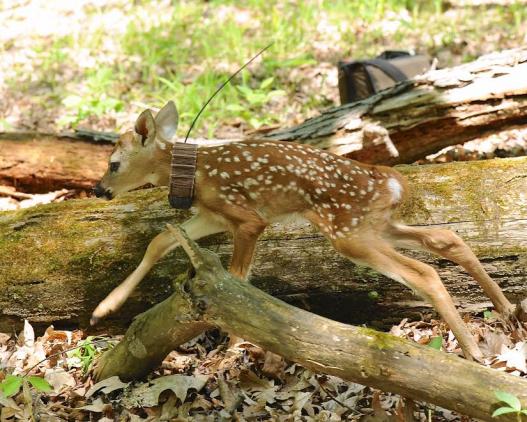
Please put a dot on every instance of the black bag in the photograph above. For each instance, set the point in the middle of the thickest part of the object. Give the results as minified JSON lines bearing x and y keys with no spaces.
{"x":361,"y":78}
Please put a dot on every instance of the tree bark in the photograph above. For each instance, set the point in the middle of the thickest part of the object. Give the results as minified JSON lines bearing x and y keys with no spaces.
{"x":422,"y":116}
{"x":59,"y":260}
{"x":42,"y":162}
{"x":365,"y":356}
{"x":399,"y":125}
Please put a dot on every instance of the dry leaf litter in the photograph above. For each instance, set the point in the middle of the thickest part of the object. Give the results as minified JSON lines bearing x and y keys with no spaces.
{"x":203,"y":380}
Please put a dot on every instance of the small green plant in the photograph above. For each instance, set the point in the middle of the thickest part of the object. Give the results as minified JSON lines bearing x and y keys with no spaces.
{"x":12,"y":384}
{"x":436,"y":343}
{"x":96,"y":102}
{"x":255,"y":98}
{"x":373,"y":295}
{"x":513,"y":405}
{"x":83,"y":107}
{"x":5,"y":125}
{"x":84,"y":355}
{"x":489,"y":316}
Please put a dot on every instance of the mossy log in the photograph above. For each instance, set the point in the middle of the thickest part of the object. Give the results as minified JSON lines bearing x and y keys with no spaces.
{"x":58,"y":261}
{"x":399,"y":125}
{"x":216,"y":298}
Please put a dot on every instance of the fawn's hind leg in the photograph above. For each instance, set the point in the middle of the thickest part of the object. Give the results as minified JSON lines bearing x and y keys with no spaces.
{"x":380,"y":256}
{"x":449,"y":245}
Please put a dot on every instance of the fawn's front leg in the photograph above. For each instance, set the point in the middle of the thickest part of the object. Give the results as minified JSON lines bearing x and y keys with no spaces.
{"x":245,"y":237}
{"x":196,"y":228}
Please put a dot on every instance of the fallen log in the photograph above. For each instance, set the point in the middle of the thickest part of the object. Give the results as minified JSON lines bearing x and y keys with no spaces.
{"x":398,"y":125}
{"x":59,"y":260}
{"x":216,"y":298}
{"x":42,"y":162}
{"x":421,"y":116}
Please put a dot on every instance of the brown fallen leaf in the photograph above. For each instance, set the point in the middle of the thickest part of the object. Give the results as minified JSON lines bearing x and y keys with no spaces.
{"x":107,"y":386}
{"x":4,"y":338}
{"x":273,"y":366}
{"x":59,"y":379}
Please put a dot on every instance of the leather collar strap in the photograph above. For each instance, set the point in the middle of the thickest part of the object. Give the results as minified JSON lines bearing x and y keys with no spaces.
{"x":182,"y":175}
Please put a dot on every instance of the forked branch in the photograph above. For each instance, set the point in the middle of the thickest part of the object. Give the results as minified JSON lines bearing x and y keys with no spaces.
{"x":190,"y":247}
{"x":215,"y":298}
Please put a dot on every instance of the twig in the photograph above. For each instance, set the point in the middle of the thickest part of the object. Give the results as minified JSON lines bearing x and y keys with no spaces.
{"x":332,"y":396}
{"x":28,"y":371}
{"x":6,"y":191}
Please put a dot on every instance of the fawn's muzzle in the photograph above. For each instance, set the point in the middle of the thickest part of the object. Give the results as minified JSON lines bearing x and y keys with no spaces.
{"x":101,"y":192}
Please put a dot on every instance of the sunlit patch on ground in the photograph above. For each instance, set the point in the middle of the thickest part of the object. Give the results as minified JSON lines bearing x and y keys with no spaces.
{"x":99,"y":63}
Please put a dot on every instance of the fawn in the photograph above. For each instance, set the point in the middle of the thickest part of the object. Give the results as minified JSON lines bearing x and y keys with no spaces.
{"x":243,"y":187}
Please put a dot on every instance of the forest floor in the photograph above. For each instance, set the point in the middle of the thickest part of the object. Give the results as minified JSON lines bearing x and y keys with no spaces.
{"x":99,"y":63}
{"x":203,"y":380}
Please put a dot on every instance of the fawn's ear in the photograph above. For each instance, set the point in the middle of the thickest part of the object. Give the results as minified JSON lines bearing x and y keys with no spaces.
{"x":167,"y":121}
{"x":146,"y":127}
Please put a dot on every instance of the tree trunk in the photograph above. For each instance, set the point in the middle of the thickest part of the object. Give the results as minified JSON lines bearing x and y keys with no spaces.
{"x":422,"y":116}
{"x":399,"y":125}
{"x":215,"y":298}
{"x":59,"y":260}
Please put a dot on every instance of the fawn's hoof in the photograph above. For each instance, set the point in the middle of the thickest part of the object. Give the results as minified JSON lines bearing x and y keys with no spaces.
{"x":100,"y":312}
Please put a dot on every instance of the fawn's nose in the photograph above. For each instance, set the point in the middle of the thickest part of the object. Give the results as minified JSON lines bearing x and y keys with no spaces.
{"x":102,"y":192}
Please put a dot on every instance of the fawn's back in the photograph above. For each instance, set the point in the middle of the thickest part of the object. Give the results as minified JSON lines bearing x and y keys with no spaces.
{"x":277,"y":179}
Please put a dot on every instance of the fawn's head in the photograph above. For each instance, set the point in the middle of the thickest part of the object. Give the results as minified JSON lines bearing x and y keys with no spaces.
{"x":135,"y":160}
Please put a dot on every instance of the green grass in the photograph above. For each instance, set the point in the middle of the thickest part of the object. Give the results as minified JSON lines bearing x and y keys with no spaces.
{"x":184,"y":51}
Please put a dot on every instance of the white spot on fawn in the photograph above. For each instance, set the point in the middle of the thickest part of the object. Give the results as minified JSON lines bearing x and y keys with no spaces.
{"x":396,"y":190}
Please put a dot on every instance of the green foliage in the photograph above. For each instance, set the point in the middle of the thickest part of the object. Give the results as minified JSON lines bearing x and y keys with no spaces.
{"x":373,"y":295}
{"x":253,"y":99}
{"x":436,"y":343}
{"x":96,"y":102}
{"x":490,"y":315}
{"x":40,"y":384}
{"x":84,"y":354}
{"x":184,"y":50}
{"x":513,"y":405}
{"x":12,"y":384}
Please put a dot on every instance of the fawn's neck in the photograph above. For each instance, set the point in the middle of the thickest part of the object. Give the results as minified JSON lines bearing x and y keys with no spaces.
{"x":161,"y":173}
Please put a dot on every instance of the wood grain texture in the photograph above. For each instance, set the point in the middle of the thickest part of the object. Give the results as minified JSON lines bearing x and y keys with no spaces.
{"x":41,"y":164}
{"x":440,"y":108}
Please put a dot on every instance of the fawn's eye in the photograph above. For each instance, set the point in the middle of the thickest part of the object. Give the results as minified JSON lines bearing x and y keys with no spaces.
{"x":114,"y":166}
